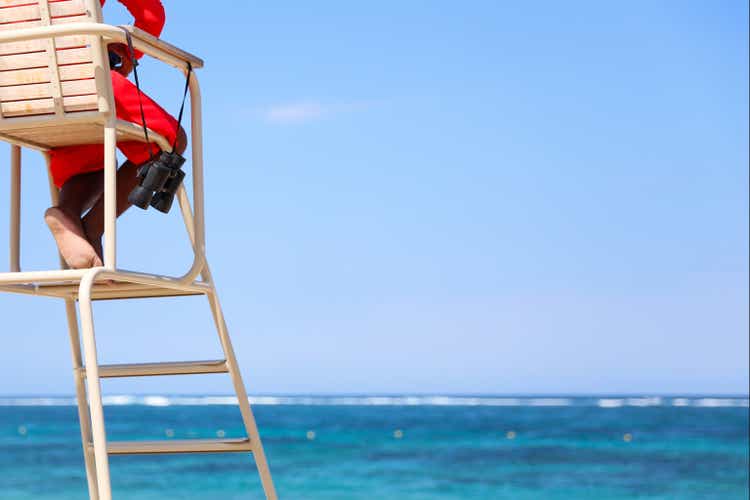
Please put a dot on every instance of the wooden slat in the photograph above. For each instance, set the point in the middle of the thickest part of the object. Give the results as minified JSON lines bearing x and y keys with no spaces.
{"x":32,"y":12}
{"x":159,"y":369}
{"x":108,"y":291}
{"x":53,"y":135}
{"x":41,"y":75}
{"x":37,"y":24}
{"x":4,"y":4}
{"x":90,"y":130}
{"x":44,"y":90}
{"x":47,"y":106}
{"x":62,"y":42}
{"x":179,"y":446}
{"x":41,"y":59}
{"x":64,"y":135}
{"x":69,"y":137}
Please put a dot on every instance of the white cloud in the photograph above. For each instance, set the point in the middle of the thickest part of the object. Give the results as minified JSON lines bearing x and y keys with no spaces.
{"x":292,"y":113}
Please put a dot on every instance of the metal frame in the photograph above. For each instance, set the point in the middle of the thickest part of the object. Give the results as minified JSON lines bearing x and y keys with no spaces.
{"x":109,"y":282}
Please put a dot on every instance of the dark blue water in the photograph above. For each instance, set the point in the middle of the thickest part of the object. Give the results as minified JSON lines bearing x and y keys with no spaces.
{"x":571,"y":448}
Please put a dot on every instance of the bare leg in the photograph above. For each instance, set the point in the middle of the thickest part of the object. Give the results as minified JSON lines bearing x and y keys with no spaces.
{"x":64,"y":220}
{"x":80,"y":192}
{"x":93,"y":222}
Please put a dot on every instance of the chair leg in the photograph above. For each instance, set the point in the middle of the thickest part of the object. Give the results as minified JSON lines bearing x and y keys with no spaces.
{"x":84,"y":416}
{"x":110,"y":194}
{"x":239,"y":387}
{"x":15,"y":208}
{"x":99,"y":436}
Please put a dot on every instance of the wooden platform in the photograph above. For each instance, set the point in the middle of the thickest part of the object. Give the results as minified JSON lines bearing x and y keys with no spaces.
{"x":125,"y":285}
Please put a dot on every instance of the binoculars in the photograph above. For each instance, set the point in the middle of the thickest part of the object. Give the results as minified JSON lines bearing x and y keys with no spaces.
{"x":159,"y":180}
{"x":115,"y":61}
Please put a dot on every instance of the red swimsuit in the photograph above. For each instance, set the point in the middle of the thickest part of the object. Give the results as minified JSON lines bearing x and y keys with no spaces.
{"x":69,"y":161}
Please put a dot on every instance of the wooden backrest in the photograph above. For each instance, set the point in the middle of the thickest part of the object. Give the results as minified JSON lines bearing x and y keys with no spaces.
{"x":49,"y":77}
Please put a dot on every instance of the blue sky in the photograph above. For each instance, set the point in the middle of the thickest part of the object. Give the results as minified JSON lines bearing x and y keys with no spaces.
{"x":486,"y":197}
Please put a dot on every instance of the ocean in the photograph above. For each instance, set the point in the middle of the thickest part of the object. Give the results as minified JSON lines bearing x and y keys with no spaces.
{"x":395,"y":447}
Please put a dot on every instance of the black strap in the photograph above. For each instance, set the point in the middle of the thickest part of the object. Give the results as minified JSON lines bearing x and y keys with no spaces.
{"x":182,"y":106}
{"x":131,"y":50}
{"x":138,"y":86}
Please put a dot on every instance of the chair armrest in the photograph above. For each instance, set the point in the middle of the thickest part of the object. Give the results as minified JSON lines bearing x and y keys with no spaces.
{"x":144,"y":42}
{"x":147,"y":38}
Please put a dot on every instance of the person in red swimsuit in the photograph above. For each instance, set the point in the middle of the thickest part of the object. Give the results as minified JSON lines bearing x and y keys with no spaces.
{"x":77,"y":221}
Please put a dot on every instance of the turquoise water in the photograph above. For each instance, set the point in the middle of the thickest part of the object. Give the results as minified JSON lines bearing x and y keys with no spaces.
{"x":447,"y":448}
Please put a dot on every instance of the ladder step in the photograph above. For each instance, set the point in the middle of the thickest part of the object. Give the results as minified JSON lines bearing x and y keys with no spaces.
{"x":178,"y":446}
{"x":154,"y":369}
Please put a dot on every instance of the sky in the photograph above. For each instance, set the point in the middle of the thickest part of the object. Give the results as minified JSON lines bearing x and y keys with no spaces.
{"x":439,"y":197}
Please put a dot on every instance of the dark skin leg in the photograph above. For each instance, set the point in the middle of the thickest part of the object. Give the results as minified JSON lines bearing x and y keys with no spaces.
{"x":93,"y":222}
{"x":79,"y":237}
{"x":80,"y":192}
{"x":77,"y":195}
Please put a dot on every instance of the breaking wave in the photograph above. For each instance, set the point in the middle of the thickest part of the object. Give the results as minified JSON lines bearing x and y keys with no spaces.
{"x":400,"y":400}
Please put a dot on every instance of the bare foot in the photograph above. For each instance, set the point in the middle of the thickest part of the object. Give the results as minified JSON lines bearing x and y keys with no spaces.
{"x":71,"y":239}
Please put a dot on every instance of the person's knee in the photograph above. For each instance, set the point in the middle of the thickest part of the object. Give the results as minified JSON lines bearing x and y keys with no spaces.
{"x":181,"y":144}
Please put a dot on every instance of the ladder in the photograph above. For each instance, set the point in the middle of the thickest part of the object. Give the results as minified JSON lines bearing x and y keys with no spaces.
{"x":43,"y":124}
{"x":87,"y":286}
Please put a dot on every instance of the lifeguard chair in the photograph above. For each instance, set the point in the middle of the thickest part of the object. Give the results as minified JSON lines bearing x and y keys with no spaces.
{"x":55,"y":90}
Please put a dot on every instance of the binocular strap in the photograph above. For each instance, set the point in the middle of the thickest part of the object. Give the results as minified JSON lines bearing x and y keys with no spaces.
{"x":129,"y":39}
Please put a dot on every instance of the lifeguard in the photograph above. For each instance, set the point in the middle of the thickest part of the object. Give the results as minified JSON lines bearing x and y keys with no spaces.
{"x":77,"y":170}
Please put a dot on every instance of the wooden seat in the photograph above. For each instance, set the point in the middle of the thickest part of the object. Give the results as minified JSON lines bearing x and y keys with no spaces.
{"x":50,"y":93}
{"x":46,"y":136}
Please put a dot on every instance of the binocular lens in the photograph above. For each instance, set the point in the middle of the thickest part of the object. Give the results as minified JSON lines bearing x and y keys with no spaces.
{"x":162,"y":201}
{"x":156,"y":176}
{"x":140,"y":197}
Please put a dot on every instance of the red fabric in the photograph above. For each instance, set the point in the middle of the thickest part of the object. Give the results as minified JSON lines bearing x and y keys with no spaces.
{"x":149,"y":14}
{"x":74,"y":160}
{"x":69,"y":161}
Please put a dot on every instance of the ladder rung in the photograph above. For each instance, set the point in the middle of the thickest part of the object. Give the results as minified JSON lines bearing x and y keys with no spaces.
{"x":179,"y":446}
{"x":169,"y":368}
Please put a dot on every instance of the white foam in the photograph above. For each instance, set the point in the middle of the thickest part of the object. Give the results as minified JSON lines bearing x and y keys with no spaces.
{"x":720,"y":402}
{"x":408,"y":401}
{"x":123,"y":400}
{"x":220,"y":400}
{"x":405,"y":400}
{"x":610,"y":403}
{"x":646,"y":401}
{"x":202,"y":400}
{"x":550,"y":402}
{"x":156,"y":401}
{"x":31,"y":401}
{"x":503,"y":402}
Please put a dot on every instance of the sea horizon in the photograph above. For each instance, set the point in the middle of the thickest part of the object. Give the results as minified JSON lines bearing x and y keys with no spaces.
{"x":603,"y":400}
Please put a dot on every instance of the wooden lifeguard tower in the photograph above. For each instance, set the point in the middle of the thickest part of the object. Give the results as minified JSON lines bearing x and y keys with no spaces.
{"x":55,"y":90}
